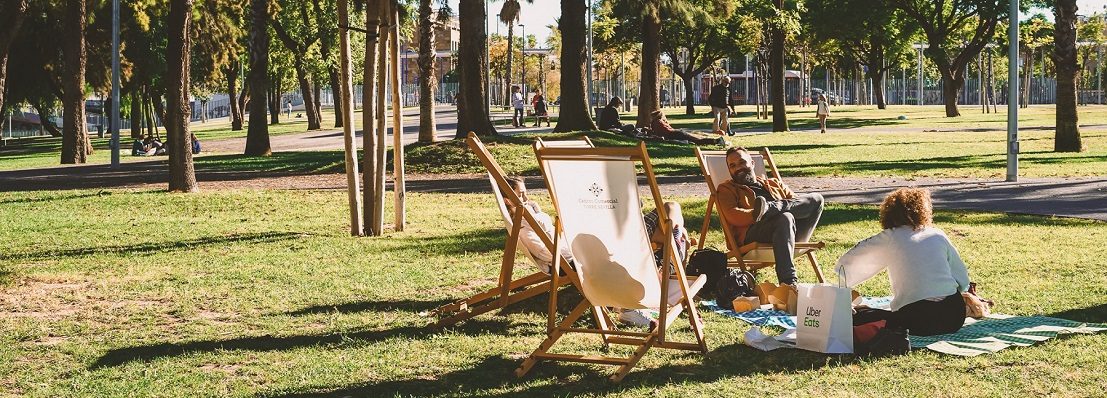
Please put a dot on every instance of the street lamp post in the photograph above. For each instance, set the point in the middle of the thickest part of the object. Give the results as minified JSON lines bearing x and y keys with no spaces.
{"x":920,"y":47}
{"x":1012,"y":93}
{"x":114,"y":84}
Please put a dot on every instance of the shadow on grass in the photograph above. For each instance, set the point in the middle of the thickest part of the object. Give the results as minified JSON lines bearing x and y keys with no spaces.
{"x":297,"y":162}
{"x":125,"y":355}
{"x":1097,"y":313}
{"x":58,"y":197}
{"x":157,"y":247}
{"x":494,"y":377}
{"x":366,"y":306}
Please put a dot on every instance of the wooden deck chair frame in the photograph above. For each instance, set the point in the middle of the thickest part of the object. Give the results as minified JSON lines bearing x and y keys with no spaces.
{"x":751,"y":256}
{"x":507,"y":291}
{"x":671,"y":303}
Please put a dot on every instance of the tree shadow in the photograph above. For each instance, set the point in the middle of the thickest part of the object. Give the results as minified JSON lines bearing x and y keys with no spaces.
{"x":494,"y":377}
{"x":480,"y":241}
{"x":157,"y":247}
{"x":414,"y":306}
{"x":1097,"y":314}
{"x":121,"y":356}
{"x":59,"y":197}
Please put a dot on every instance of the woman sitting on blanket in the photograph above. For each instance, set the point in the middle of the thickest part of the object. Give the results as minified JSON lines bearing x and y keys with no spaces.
{"x":529,"y":238}
{"x":926,"y":273}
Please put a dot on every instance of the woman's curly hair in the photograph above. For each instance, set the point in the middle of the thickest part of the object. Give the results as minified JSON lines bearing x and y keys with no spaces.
{"x":907,"y":206}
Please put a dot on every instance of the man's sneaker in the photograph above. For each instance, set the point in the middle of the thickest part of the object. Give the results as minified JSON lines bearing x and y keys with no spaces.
{"x":760,"y":207}
{"x":635,"y":317}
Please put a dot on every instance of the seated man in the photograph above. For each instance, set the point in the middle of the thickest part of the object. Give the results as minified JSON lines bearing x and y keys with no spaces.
{"x":767,"y":211}
{"x":138,"y":148}
{"x":609,"y":118}
{"x":529,"y":238}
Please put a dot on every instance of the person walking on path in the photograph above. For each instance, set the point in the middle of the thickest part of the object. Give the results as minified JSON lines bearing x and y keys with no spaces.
{"x":517,"y":102}
{"x":822,"y":110}
{"x":721,"y":106}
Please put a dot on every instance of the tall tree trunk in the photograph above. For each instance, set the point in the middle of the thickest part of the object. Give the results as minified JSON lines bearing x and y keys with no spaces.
{"x":649,"y":90}
{"x":574,"y":114}
{"x":232,"y":96}
{"x":75,"y":145}
{"x":257,"y":134}
{"x":1028,"y":67}
{"x":307,"y":92}
{"x":182,"y":176}
{"x":472,"y":104}
{"x":16,"y":10}
{"x":878,"y":88}
{"x":44,"y":117}
{"x":333,"y":77}
{"x":776,"y":58}
{"x":1067,"y":138}
{"x":951,"y":89}
{"x":273,"y":98}
{"x":316,"y":97}
{"x":148,"y":111}
{"x":136,"y":114}
{"x":689,"y":92}
{"x":371,"y":78}
{"x":327,"y":36}
{"x":427,"y":80}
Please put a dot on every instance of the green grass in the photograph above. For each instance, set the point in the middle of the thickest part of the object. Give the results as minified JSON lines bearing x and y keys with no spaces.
{"x":929,"y":117}
{"x":46,"y":151}
{"x":262,"y":293}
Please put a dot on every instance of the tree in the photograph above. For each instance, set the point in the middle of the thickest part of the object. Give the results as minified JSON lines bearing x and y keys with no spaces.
{"x":9,"y":27}
{"x":871,"y":32}
{"x":1067,"y":137}
{"x":695,"y":44}
{"x":182,"y":176}
{"x":574,"y":114}
{"x":257,"y":134}
{"x":649,"y":91}
{"x":299,"y":38}
{"x":946,"y":25}
{"x":779,"y":26}
{"x":472,"y":104}
{"x":509,"y":15}
{"x":75,"y":140}
{"x":427,"y":79}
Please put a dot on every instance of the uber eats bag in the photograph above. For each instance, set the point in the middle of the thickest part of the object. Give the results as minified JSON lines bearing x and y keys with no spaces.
{"x":824,"y":319}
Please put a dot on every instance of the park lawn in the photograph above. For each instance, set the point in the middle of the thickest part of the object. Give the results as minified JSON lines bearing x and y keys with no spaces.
{"x":837,"y":153}
{"x":39,"y":152}
{"x":867,"y":117}
{"x":263,"y":293}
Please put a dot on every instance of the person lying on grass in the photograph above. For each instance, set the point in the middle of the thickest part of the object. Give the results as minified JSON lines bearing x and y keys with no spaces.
{"x":926,"y":272}
{"x":533,"y":243}
{"x":660,"y":127}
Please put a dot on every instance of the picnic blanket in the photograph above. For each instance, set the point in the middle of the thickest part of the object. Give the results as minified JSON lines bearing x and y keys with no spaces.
{"x":997,"y":332}
{"x":982,"y":336}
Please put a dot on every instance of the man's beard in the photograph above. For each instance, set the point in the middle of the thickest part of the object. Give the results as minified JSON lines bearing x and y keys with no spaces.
{"x":744,"y":178}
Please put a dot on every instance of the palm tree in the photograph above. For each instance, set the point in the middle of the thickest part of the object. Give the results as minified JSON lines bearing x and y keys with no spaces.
{"x":574,"y":114}
{"x":10,"y":26}
{"x":472,"y":104}
{"x":1067,"y":138}
{"x":509,"y":15}
{"x":182,"y":176}
{"x":427,"y":80}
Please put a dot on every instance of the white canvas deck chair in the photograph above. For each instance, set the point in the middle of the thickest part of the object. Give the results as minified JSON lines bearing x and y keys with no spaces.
{"x":752,"y":256}
{"x":595,"y":192}
{"x":507,"y":291}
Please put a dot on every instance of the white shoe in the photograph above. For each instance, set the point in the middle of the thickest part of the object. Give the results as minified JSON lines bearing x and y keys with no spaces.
{"x":635,"y":317}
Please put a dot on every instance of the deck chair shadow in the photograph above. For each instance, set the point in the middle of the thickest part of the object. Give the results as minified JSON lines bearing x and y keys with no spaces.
{"x":751,"y":256}
{"x":507,"y":290}
{"x":595,"y":192}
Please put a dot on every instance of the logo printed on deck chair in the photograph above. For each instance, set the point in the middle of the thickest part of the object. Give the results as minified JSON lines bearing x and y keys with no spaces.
{"x":597,"y":204}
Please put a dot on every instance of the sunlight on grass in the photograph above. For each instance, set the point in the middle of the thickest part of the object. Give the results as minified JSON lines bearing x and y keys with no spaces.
{"x":263,"y":293}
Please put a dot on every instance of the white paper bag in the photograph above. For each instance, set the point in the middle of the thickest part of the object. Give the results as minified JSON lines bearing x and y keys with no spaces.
{"x":824,"y":319}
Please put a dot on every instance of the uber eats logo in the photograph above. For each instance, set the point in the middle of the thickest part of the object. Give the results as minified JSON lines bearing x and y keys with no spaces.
{"x":810,"y":317}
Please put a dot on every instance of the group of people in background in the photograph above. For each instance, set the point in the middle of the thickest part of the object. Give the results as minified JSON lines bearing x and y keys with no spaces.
{"x":151,"y":146}
{"x":538,"y":104}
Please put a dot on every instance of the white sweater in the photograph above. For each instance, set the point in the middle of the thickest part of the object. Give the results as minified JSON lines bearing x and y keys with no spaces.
{"x":533,"y":244}
{"x":921,"y":264}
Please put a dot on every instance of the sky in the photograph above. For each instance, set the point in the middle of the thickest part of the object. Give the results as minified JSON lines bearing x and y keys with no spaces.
{"x":537,"y":15}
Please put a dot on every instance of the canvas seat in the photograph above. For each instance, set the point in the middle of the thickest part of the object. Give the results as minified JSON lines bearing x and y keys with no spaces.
{"x":755,"y":255}
{"x":595,"y":192}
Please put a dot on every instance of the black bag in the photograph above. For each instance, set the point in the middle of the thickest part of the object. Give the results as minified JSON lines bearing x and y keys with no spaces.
{"x":736,"y":283}
{"x":887,"y":342}
{"x":709,"y":262}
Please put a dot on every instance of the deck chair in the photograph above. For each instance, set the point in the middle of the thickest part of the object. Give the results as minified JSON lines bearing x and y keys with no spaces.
{"x":752,"y":256}
{"x":507,"y":291}
{"x":595,"y":192}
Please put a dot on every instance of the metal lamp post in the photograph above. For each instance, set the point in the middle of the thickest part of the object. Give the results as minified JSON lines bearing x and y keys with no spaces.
{"x":920,"y":47}
{"x":114,"y":84}
{"x":523,"y":58}
{"x":1012,"y":93}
